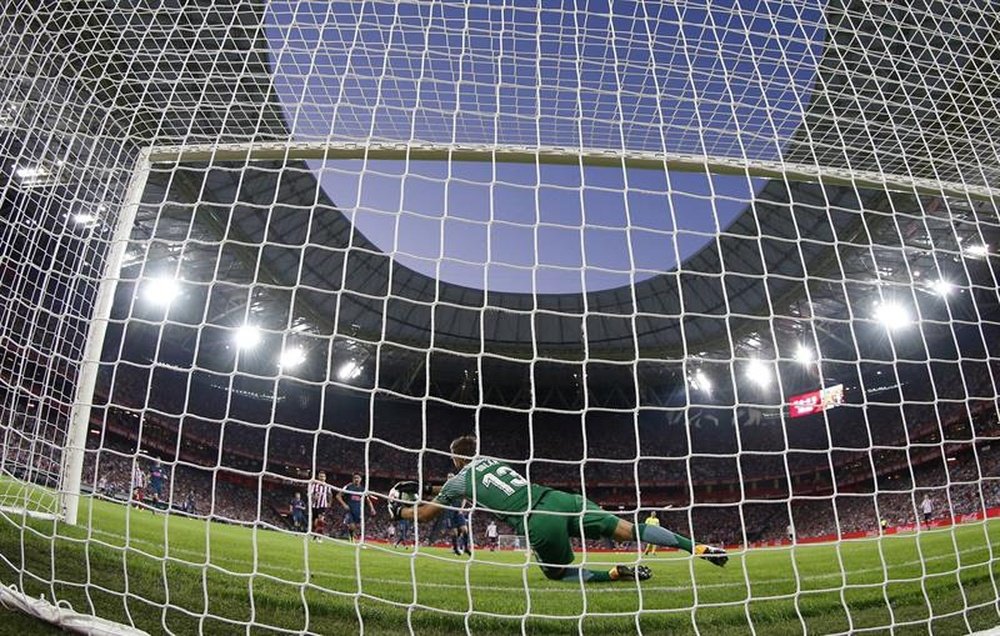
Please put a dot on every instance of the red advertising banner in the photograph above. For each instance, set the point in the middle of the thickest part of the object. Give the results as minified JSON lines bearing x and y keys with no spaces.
{"x":815,"y":401}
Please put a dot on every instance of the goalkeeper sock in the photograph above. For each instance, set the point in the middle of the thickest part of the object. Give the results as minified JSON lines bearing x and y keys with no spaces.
{"x":587,"y":576}
{"x":661,"y":536}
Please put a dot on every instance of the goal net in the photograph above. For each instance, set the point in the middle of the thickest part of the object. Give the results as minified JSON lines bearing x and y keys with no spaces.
{"x":728,"y":268}
{"x":509,"y":542}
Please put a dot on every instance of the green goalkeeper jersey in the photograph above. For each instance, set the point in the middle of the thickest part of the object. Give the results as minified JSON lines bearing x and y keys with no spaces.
{"x":492,"y":485}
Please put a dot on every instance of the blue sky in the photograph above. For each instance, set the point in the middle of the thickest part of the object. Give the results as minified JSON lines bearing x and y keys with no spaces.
{"x":729,"y":81}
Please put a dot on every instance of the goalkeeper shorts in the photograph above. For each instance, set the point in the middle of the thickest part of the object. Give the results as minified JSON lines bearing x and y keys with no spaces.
{"x":556,"y":518}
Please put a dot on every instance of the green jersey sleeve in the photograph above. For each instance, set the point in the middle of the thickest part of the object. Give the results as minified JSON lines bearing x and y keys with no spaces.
{"x":454,"y":490}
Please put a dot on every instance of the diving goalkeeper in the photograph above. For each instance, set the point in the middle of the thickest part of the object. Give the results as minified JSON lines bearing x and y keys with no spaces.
{"x":548,"y":517}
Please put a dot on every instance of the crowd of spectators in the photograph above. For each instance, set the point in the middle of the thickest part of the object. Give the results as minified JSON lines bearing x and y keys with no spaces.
{"x":31,"y":448}
{"x":971,"y":485}
{"x":242,"y":472}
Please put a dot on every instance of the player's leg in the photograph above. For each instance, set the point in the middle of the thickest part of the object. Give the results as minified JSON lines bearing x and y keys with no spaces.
{"x":549,"y":541}
{"x":658,"y":535}
{"x":458,"y":523}
{"x":463,"y":531}
{"x":453,"y":532}
{"x":316,"y":514}
{"x":549,"y":537}
{"x":351,"y":525}
{"x":359,"y":524}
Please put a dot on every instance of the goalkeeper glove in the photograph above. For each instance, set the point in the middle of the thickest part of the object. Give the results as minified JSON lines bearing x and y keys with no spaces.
{"x":404,"y":493}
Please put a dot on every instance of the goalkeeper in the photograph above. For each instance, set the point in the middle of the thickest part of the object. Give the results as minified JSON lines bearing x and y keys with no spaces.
{"x":548,"y":517}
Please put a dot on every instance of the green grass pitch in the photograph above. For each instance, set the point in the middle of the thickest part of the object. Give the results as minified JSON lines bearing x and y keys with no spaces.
{"x":166,"y":573}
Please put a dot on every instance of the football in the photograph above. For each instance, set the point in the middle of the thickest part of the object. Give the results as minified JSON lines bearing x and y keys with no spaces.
{"x":404,"y":493}
{"x":402,"y":496}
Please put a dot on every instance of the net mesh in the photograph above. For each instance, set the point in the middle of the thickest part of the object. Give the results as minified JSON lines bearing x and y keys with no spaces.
{"x":731,"y":263}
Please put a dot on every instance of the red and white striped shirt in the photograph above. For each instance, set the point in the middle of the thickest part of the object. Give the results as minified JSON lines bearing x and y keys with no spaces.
{"x":138,"y":477}
{"x":319,"y":494}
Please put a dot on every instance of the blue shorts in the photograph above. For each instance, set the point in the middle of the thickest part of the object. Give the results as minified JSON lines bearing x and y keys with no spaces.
{"x":455,"y":519}
{"x":353,"y":517}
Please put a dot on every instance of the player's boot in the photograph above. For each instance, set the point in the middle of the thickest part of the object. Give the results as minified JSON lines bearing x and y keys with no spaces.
{"x":715,"y":556}
{"x":632,"y":573}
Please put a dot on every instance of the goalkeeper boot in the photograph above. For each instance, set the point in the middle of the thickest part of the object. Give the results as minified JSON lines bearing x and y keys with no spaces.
{"x":715,"y":556}
{"x":631,"y":573}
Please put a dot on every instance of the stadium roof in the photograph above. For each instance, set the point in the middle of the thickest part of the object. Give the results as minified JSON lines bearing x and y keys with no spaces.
{"x":188,"y":74}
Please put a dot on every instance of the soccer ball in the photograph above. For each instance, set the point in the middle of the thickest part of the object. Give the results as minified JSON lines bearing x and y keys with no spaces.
{"x":403,"y":497}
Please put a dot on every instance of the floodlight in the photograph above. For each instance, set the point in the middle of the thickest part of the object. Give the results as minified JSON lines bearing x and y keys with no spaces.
{"x":247,"y":337}
{"x":892,"y":315}
{"x":804,"y":354}
{"x":700,"y":382}
{"x":942,"y":287}
{"x":161,"y":291}
{"x":84,"y":219}
{"x":758,"y":372}
{"x":349,"y":370}
{"x":31,"y":172}
{"x":292,"y":357}
{"x":977,"y":250}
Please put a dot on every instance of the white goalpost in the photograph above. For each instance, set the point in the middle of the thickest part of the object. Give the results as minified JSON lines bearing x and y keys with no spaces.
{"x":729,"y":269}
{"x":79,"y":426}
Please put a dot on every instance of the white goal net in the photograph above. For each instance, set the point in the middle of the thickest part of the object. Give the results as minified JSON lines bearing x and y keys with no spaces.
{"x":729,"y":268}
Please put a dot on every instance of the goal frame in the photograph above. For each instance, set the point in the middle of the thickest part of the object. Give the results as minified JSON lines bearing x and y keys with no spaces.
{"x":86,"y":385}
{"x":148,"y":157}
{"x":556,"y":155}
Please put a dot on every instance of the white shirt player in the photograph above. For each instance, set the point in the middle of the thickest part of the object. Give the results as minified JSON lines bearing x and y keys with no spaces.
{"x":926,"y":505}
{"x":491,"y":530}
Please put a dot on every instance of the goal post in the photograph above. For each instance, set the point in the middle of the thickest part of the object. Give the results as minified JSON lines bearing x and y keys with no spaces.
{"x":86,"y":382}
{"x":510,"y":542}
